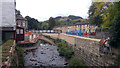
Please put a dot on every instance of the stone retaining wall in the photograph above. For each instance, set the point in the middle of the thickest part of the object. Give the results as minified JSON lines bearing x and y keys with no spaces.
{"x":12,"y":53}
{"x":87,"y":49}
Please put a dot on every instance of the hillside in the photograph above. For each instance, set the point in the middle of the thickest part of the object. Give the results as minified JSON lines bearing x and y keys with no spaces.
{"x":52,"y":22}
{"x":71,"y":19}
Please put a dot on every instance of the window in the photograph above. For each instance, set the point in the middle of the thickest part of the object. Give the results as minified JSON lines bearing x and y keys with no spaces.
{"x":19,"y":24}
{"x":21,"y":31}
{"x":93,"y":30}
{"x":89,"y":30}
{"x":83,"y":30}
{"x":87,"y":25}
{"x":83,"y":26}
{"x":18,"y":31}
{"x":80,"y":29}
{"x":23,"y":24}
{"x":93,"y":26}
{"x":80,"y":26}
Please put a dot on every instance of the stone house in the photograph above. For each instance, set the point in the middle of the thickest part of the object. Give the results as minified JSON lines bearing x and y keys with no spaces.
{"x":21,"y":26}
{"x":85,"y":27}
{"x":21,"y":22}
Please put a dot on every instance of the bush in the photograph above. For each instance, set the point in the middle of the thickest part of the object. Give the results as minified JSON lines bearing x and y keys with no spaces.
{"x":64,"y":50}
{"x":117,"y":61}
{"x":115,"y":33}
{"x":20,"y":54}
{"x":57,"y":40}
{"x":75,"y":62}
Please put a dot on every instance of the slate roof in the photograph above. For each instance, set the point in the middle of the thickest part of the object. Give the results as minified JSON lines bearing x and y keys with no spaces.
{"x":20,"y":17}
{"x":79,"y":23}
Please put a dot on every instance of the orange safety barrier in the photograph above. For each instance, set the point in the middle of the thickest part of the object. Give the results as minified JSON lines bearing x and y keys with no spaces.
{"x":30,"y":33}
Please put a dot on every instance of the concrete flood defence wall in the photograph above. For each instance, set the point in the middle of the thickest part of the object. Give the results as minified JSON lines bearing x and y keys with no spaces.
{"x":87,"y":49}
{"x":34,"y":45}
{"x":29,"y":46}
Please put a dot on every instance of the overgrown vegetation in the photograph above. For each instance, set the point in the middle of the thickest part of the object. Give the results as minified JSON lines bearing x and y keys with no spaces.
{"x":75,"y":62}
{"x":107,"y":15}
{"x":48,"y":37}
{"x":5,"y":51}
{"x":68,"y":53}
{"x":117,"y":61}
{"x":63,"y":49}
{"x":20,"y":54}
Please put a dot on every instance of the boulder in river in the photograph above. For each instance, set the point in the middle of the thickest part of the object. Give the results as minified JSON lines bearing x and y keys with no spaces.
{"x":33,"y":59}
{"x":66,"y":64}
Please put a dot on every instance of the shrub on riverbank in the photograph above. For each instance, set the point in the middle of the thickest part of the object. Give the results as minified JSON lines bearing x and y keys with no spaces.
{"x":57,"y":40}
{"x":117,"y":61}
{"x":20,"y":54}
{"x":75,"y":62}
{"x":67,"y":52}
{"x":48,"y":37}
{"x":63,"y":49}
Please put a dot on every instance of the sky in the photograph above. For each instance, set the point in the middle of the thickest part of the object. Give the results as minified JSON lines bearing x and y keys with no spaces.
{"x":44,"y":9}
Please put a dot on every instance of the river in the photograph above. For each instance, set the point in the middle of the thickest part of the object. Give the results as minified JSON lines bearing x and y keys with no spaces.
{"x":44,"y":55}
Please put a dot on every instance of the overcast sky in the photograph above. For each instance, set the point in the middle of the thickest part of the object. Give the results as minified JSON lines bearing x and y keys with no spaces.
{"x":44,"y":9}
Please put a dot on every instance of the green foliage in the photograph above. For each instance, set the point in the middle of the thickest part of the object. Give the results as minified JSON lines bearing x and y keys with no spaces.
{"x":5,"y":50}
{"x":33,"y":23}
{"x":63,"y":49}
{"x":67,"y":52}
{"x":70,"y":20}
{"x":100,"y":14}
{"x":94,"y":18}
{"x":51,"y":23}
{"x":20,"y":54}
{"x":107,"y":15}
{"x":6,"y":46}
{"x":57,"y":41}
{"x":115,"y":27}
{"x":75,"y":62}
{"x":117,"y":61}
{"x":115,"y":33}
{"x":17,"y":12}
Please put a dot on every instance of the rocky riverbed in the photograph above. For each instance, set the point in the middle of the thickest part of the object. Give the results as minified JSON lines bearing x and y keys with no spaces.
{"x":44,"y":55}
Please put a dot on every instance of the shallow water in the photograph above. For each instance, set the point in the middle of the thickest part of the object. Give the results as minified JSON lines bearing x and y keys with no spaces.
{"x":44,"y":55}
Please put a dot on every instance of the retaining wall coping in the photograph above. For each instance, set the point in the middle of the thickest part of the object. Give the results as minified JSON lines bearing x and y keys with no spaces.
{"x":97,"y":40}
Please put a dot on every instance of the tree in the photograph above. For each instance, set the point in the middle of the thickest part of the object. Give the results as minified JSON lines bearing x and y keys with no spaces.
{"x":107,"y":15}
{"x":51,"y":23}
{"x":115,"y":26}
{"x":94,"y":18}
{"x":32,"y":23}
{"x":99,"y":14}
{"x":17,"y":12}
